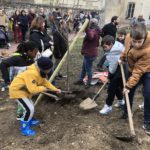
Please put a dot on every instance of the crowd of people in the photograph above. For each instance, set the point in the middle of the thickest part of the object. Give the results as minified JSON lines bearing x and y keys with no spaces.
{"x":27,"y":71}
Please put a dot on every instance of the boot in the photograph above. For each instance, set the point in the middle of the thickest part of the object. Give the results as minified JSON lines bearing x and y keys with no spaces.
{"x":25,"y":128}
{"x":34,"y":122}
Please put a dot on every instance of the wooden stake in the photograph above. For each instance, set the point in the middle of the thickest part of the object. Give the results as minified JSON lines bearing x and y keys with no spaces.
{"x":71,"y":48}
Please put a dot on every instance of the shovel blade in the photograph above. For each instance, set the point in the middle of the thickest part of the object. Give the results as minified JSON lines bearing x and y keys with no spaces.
{"x":125,"y":138}
{"x":88,"y":104}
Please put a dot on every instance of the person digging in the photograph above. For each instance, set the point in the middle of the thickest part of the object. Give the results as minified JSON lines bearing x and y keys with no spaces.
{"x":25,"y":85}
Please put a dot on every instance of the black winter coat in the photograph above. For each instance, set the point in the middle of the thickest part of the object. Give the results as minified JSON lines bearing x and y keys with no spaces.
{"x":60,"y":44}
{"x":109,"y":29}
{"x":36,"y":36}
{"x":24,"y":22}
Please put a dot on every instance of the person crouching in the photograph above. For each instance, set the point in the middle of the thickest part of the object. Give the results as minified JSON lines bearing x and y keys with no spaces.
{"x":25,"y":85}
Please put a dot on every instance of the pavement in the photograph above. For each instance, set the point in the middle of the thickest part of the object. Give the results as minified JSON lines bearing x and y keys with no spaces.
{"x":4,"y":52}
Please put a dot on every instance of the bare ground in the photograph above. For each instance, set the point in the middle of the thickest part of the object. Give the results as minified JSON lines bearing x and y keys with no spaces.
{"x":64,"y":126}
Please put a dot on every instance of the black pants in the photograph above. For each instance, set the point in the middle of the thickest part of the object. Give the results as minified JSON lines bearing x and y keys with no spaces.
{"x":101,"y":61}
{"x":28,"y":107}
{"x":5,"y":72}
{"x":115,"y":88}
{"x":24,"y":31}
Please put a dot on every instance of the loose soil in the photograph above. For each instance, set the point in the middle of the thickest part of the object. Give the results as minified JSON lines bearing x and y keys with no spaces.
{"x":64,"y":126}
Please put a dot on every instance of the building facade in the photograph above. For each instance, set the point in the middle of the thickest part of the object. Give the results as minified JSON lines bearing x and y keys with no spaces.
{"x":83,"y":4}
{"x":126,"y":9}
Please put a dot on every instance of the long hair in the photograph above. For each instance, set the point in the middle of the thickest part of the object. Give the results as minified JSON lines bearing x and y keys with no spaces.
{"x":37,"y":23}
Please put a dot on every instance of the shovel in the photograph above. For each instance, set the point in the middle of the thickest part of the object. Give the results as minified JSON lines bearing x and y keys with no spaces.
{"x":69,"y":93}
{"x":89,"y":103}
{"x":132,"y":131}
{"x":52,"y":96}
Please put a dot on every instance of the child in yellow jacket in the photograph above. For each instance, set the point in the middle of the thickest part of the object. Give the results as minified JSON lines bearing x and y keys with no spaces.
{"x":25,"y":85}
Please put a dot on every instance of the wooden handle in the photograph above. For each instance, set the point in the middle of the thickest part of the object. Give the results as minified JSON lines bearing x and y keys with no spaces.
{"x":71,"y":48}
{"x":94,"y":98}
{"x":48,"y":94}
{"x":128,"y":104}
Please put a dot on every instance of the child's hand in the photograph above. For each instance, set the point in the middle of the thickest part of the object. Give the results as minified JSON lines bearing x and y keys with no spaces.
{"x":58,"y":91}
{"x":120,"y":61}
{"x":125,"y":90}
{"x":51,"y":43}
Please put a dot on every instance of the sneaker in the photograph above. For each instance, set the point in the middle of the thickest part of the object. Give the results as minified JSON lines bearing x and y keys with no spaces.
{"x":106,"y":109}
{"x":146,"y":128}
{"x":120,"y":103}
{"x":79,"y":82}
{"x":8,"y":45}
{"x":141,"y":106}
{"x":4,"y":87}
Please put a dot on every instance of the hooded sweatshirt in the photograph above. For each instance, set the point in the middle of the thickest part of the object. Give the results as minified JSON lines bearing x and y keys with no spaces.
{"x":138,"y":60}
{"x":28,"y":83}
{"x":113,"y":56}
{"x":91,"y":41}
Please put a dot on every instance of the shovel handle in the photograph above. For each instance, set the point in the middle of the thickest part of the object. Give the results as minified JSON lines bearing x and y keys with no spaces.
{"x":62,"y":91}
{"x":128,"y":103}
{"x":66,"y":92}
{"x":50,"y":95}
{"x":97,"y":94}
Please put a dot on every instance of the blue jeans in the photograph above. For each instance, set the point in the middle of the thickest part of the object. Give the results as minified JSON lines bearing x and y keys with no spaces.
{"x":145,"y":80}
{"x":87,"y":68}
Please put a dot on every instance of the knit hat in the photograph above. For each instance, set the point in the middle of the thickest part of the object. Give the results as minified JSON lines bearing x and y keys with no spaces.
{"x":44,"y":63}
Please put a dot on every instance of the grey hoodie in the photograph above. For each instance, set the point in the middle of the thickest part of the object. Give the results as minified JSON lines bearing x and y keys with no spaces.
{"x":113,"y":56}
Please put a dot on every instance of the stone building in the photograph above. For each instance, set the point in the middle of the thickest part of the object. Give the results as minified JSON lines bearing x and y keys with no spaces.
{"x":125,"y":9}
{"x":83,"y":4}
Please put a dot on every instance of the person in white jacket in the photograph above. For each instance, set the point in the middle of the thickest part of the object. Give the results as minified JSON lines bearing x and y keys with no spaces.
{"x":115,"y":87}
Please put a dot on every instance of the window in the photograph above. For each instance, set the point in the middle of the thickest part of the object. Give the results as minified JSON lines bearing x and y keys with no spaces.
{"x":130,"y":10}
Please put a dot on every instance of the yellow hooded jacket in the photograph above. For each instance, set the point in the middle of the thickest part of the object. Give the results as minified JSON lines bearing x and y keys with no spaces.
{"x":28,"y":83}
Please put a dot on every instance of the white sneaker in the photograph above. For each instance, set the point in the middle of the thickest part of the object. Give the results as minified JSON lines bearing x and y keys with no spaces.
{"x":8,"y":45}
{"x":141,"y":106}
{"x":105,"y":110}
{"x":119,"y":103}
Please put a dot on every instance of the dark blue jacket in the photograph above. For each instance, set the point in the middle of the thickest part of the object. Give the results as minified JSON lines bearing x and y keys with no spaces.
{"x":24,"y":22}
